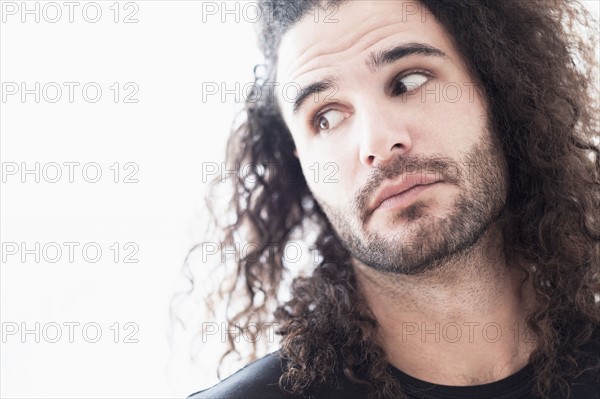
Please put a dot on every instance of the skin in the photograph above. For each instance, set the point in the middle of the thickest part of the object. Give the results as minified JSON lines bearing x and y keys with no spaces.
{"x":457,"y":286}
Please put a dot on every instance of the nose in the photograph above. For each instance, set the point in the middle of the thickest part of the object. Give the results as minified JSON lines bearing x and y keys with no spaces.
{"x":384,"y":135}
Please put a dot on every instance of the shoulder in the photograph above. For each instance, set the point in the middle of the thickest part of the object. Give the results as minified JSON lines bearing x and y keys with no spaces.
{"x":259,"y":379}
{"x":587,"y":383}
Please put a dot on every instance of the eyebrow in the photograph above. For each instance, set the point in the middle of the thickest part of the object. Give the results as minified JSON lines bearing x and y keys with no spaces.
{"x":375,"y":61}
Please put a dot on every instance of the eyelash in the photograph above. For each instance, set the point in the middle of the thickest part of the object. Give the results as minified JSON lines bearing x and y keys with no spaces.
{"x":408,"y":73}
{"x":314,"y":117}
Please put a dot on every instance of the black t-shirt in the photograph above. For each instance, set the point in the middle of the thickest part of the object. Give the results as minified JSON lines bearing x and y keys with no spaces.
{"x":259,"y":380}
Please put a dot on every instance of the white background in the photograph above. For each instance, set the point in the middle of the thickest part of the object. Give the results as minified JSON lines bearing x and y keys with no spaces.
{"x":168,"y":134}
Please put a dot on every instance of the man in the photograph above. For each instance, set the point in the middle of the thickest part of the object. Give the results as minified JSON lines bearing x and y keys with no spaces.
{"x":458,"y":226}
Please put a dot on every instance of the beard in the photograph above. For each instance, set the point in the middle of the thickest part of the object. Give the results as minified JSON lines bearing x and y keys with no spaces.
{"x":424,"y":242}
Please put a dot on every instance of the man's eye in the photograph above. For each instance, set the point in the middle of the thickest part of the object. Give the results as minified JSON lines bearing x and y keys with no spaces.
{"x":409,"y":83}
{"x":328,"y":120}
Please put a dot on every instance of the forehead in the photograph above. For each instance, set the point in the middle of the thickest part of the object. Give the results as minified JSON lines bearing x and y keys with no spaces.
{"x":341,"y":35}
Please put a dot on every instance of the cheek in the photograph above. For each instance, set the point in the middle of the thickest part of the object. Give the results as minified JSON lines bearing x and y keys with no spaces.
{"x":329,"y":175}
{"x":470,"y":107}
{"x":322,"y":179}
{"x":451,"y":127}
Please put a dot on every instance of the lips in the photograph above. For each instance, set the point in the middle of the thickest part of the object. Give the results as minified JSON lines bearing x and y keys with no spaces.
{"x":399,"y":186}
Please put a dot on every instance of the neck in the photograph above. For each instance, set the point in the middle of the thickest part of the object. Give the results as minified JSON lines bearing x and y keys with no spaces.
{"x":460,"y":324}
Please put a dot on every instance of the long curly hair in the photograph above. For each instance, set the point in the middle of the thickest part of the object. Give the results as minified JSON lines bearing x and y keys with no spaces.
{"x":535,"y":62}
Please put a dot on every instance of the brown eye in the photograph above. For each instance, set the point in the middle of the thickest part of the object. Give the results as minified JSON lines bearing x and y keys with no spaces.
{"x":328,"y":120}
{"x":408,"y":83}
{"x":323,"y":123}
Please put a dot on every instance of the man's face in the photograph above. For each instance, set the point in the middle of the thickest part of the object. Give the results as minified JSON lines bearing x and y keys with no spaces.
{"x":394,"y":141}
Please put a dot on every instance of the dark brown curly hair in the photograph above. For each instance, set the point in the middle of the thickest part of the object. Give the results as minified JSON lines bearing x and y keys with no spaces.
{"x":535,"y":62}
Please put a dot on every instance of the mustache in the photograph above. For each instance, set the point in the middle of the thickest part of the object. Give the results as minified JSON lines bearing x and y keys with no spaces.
{"x":443,"y":167}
